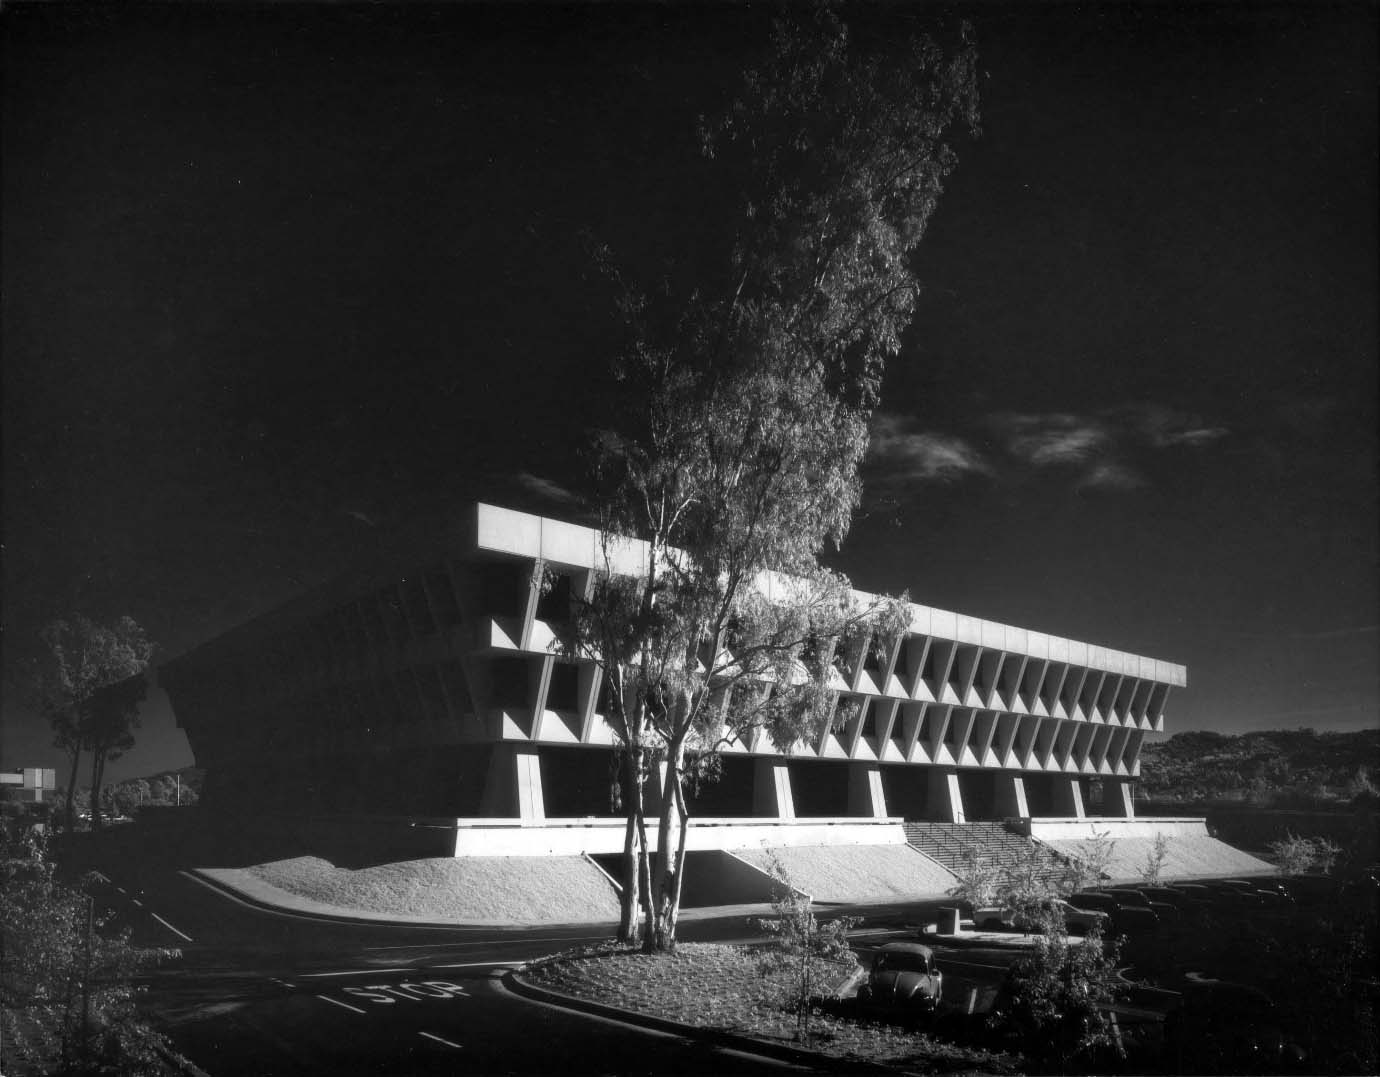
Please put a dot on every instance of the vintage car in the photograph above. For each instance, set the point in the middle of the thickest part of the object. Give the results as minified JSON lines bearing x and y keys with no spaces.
{"x":903,"y":978}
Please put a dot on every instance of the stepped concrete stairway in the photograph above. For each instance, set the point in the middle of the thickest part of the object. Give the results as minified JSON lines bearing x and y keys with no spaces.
{"x":950,"y":845}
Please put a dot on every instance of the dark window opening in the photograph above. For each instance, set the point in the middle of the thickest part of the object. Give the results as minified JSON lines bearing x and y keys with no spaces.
{"x":510,"y":685}
{"x":505,"y":589}
{"x":563,"y":694}
{"x":554,"y":605}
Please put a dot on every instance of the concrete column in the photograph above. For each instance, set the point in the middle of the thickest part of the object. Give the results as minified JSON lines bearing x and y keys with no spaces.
{"x":946,"y":799}
{"x":513,"y":787}
{"x":866,"y":797}
{"x":771,"y":789}
{"x":1116,"y":799}
{"x":1011,"y":799}
{"x":1068,"y":797}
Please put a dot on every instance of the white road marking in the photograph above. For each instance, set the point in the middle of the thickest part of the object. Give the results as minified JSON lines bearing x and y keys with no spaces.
{"x":169,"y":926}
{"x":350,"y":972}
{"x":137,"y":902}
{"x":122,"y":890}
{"x":342,"y":1005}
{"x":438,"y":1039}
{"x":480,"y":965}
{"x":388,"y":994}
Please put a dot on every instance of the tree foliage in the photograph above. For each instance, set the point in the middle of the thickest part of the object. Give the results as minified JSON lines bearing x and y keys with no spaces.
{"x":73,"y":686}
{"x":1055,"y":999}
{"x":1299,"y":855}
{"x":1023,"y":885}
{"x":1272,"y":768}
{"x":979,"y":876}
{"x":1088,"y":867}
{"x":746,"y":401}
{"x":112,"y":715}
{"x":65,"y":977}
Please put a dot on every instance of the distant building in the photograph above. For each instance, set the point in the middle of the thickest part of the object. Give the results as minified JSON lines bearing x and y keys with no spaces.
{"x":430,"y":691}
{"x":29,"y":784}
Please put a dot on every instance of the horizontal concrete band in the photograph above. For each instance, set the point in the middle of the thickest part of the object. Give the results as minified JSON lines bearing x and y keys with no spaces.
{"x":506,"y":531}
{"x":571,"y":837}
{"x":1140,"y":827}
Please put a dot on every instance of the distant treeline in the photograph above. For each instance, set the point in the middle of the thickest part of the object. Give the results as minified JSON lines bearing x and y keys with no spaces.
{"x":168,"y":789}
{"x":1292,"y":768}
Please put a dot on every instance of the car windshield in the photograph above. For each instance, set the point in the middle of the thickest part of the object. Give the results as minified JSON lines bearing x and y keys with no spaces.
{"x":902,"y":962}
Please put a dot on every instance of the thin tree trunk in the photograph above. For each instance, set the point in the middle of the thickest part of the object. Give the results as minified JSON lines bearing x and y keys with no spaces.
{"x":665,"y":864}
{"x":645,"y":871}
{"x":628,"y":901}
{"x":72,"y":784}
{"x":97,"y":766}
{"x":670,"y":866}
{"x":673,"y":913}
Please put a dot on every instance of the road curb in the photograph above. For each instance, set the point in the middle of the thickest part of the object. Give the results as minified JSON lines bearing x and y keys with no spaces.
{"x":732,"y":1040}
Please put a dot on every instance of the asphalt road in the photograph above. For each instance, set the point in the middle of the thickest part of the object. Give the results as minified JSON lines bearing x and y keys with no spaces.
{"x":259,"y":992}
{"x":262,"y":992}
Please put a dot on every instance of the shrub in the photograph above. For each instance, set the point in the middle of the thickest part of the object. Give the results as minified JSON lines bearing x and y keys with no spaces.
{"x":1154,"y":860}
{"x":1298,"y":856}
{"x":979,"y":877}
{"x":1054,"y":1000}
{"x":65,"y":984}
{"x":802,"y":945}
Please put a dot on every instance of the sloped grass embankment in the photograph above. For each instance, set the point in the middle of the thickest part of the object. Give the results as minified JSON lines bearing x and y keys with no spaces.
{"x":442,"y":890}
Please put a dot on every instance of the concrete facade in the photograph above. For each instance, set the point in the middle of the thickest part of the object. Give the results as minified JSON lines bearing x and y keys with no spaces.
{"x":432,"y":690}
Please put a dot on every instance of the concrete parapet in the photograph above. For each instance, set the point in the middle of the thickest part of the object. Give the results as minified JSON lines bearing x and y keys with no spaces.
{"x":570,"y":837}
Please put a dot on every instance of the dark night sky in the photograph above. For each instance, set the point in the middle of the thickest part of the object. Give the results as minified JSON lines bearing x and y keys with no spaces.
{"x":279,"y":280}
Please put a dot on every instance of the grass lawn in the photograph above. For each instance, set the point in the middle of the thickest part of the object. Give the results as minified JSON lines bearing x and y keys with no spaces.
{"x":718,"y":987}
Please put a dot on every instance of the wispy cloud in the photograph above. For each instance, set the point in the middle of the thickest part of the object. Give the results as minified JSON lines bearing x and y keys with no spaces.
{"x":552,"y":491}
{"x":1111,"y":476}
{"x":1100,"y":447}
{"x":903,"y":452}
{"x":1051,"y":439}
{"x":1164,"y":427}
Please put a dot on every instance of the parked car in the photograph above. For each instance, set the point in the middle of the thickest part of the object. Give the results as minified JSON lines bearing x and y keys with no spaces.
{"x":1186,"y":901}
{"x":1233,"y":893}
{"x":1137,"y":897}
{"x":1129,"y":915}
{"x":903,"y":978}
{"x":1076,"y":921}
{"x":1216,"y":897}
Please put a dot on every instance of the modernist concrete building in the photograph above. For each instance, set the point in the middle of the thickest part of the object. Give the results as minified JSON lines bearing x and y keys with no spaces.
{"x":431,"y":691}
